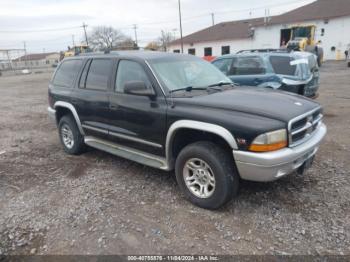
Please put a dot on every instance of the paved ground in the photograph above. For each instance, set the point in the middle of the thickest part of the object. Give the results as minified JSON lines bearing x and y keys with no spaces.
{"x":52,"y":203}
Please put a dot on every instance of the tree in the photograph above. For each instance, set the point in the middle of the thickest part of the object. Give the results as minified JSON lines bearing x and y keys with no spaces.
{"x":105,"y":37}
{"x":165,"y":38}
{"x":154,"y":46}
{"x":127,"y":44}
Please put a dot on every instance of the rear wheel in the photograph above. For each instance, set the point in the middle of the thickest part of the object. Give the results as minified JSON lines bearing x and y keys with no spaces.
{"x":206,"y":175}
{"x":71,"y":139}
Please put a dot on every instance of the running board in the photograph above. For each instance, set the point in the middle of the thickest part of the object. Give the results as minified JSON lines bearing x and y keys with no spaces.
{"x":126,"y":152}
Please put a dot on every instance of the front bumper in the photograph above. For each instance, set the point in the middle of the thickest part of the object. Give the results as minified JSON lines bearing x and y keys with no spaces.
{"x":52,"y":114}
{"x":270,"y":166}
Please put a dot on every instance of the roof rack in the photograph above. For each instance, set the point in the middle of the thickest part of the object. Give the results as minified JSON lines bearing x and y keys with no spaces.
{"x":91,"y":53}
{"x":265,"y":50}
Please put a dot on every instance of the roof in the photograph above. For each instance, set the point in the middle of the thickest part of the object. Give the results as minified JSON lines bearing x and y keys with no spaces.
{"x":31,"y":57}
{"x":295,"y":54}
{"x":222,"y":31}
{"x":318,"y":10}
{"x":143,"y":55}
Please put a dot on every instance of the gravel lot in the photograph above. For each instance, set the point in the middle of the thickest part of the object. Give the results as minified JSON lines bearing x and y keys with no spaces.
{"x":96,"y":203}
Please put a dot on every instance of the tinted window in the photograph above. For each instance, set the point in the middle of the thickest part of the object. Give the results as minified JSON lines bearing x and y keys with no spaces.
{"x":208,"y":51}
{"x":224,"y":65}
{"x":130,"y":71}
{"x":67,"y":72}
{"x":176,"y":51}
{"x":225,"y":50}
{"x":247,"y":66}
{"x":98,"y":75}
{"x":281,"y":65}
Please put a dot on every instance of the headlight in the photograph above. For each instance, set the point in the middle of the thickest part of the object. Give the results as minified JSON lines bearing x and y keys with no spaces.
{"x":270,"y":141}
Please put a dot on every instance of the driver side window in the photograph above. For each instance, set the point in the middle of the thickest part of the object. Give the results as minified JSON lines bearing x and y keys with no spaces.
{"x":130,"y":71}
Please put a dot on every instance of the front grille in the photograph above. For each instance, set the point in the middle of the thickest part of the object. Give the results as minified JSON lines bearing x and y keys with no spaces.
{"x":303,"y":127}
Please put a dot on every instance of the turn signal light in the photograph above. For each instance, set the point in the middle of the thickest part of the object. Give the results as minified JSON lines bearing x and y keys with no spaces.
{"x":270,"y":141}
{"x":266,"y":148}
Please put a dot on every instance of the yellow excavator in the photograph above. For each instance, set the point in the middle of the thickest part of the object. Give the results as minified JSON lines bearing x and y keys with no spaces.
{"x":76,"y":50}
{"x":302,"y":38}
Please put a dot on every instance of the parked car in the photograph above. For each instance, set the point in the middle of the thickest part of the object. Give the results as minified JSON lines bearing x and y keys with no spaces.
{"x":295,"y":72}
{"x":172,"y":111}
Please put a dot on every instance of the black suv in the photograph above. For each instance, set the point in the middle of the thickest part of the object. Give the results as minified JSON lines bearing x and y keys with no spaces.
{"x":173,"y":111}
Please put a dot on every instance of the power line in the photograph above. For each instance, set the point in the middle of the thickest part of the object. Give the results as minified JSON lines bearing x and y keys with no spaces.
{"x":225,"y":12}
{"x":158,"y":22}
{"x":41,"y":30}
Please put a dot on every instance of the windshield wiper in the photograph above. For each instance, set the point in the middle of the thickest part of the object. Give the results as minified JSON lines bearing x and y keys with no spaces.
{"x":221,"y":83}
{"x":187,"y":89}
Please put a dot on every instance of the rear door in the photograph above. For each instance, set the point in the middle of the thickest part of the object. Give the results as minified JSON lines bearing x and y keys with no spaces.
{"x":249,"y":71}
{"x":137,"y":121}
{"x":91,"y":97}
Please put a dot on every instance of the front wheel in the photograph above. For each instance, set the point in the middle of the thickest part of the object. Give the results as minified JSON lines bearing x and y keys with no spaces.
{"x":206,"y":174}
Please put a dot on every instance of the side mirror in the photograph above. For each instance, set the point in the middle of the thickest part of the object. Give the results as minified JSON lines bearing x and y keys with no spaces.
{"x":138,"y":88}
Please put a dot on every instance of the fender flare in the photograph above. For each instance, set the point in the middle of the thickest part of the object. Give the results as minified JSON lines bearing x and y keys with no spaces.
{"x":196,"y":125}
{"x":73,"y":111}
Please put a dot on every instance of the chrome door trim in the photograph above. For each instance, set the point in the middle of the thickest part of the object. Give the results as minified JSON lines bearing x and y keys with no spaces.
{"x":103,"y":131}
{"x":74,"y":112}
{"x":135,"y":139}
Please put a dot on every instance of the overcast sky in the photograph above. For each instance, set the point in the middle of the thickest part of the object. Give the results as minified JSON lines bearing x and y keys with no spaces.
{"x":151,"y":16}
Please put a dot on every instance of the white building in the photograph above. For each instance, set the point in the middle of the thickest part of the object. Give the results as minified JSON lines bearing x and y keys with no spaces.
{"x":40,"y":60}
{"x":331,"y":18}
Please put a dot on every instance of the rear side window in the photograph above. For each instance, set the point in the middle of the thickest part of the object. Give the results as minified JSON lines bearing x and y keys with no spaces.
{"x":248,"y":66}
{"x":130,"y":71}
{"x":98,"y":74}
{"x":224,"y":65}
{"x":281,"y":65}
{"x":67,"y":72}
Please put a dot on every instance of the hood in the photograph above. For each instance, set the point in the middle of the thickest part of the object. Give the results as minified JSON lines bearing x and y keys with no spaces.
{"x":264,"y":102}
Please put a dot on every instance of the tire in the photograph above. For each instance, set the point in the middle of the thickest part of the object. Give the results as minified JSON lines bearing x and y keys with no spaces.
{"x":68,"y":130}
{"x":221,"y":168}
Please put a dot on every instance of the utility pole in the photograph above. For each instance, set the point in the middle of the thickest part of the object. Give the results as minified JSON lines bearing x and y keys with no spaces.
{"x":135,"y":27}
{"x":86,"y":38}
{"x":182,"y":43}
{"x":25,"y":53}
{"x":212,"y":19}
{"x":73,"y":40}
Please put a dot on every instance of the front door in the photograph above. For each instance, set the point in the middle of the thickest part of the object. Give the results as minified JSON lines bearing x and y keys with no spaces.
{"x":137,"y":121}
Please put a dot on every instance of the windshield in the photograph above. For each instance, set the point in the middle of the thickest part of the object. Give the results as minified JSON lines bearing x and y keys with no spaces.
{"x":282,"y":66}
{"x":182,"y":71}
{"x":301,"y":65}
